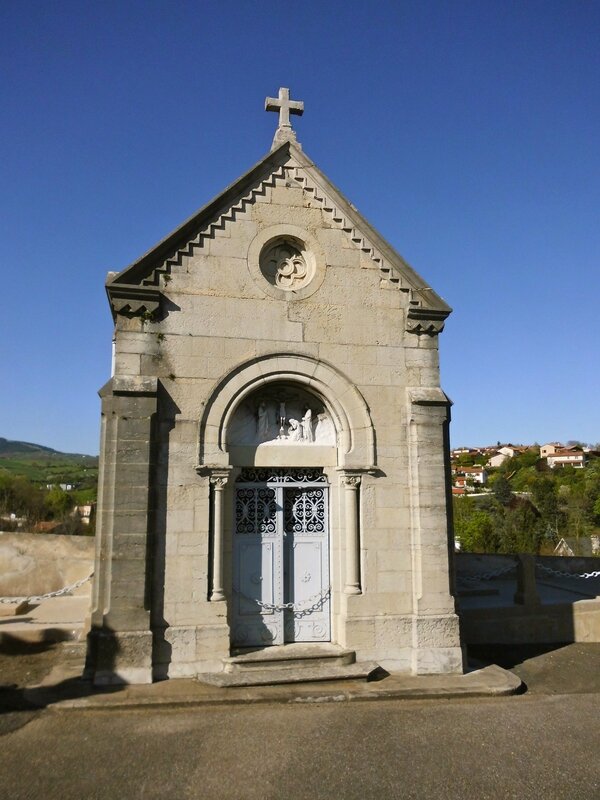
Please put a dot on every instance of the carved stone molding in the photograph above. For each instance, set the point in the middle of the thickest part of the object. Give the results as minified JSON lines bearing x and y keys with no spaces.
{"x":425,"y":321}
{"x":133,"y":301}
{"x":428,"y":396}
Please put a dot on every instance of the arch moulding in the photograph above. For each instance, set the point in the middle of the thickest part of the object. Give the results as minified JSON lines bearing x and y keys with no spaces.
{"x":347,"y":406}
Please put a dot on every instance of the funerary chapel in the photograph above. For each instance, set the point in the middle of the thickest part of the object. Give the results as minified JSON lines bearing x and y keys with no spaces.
{"x":273,"y":476}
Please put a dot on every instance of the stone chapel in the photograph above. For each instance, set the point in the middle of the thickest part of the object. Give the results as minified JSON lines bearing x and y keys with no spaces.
{"x":274,"y":443}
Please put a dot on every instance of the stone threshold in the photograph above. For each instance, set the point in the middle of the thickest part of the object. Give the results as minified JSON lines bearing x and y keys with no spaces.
{"x":491,"y":681}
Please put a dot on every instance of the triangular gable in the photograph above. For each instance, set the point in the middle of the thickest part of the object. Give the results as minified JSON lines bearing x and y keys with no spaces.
{"x":137,"y":288}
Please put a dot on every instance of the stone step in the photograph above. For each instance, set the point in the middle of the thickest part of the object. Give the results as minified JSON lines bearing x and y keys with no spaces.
{"x":273,"y":676}
{"x":288,"y":656}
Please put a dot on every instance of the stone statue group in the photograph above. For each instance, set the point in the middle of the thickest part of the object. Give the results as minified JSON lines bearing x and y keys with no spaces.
{"x":297,"y":430}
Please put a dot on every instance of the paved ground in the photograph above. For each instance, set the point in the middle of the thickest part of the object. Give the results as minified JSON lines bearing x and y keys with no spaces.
{"x":520,"y":747}
{"x":539,"y":744}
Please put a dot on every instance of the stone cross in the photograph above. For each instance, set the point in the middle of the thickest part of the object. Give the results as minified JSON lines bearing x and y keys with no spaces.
{"x":285,"y":107}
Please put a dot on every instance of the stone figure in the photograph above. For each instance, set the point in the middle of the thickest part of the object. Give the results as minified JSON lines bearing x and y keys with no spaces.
{"x":262,"y":422}
{"x":307,"y":429}
{"x":320,"y":427}
{"x":295,"y":431}
{"x":281,"y":420}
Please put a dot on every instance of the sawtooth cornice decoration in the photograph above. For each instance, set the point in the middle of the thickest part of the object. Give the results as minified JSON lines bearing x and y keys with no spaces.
{"x":210,"y":231}
{"x":393,"y":275}
{"x":287,"y":164}
{"x":428,"y":321}
{"x":390,"y":277}
{"x":134,"y":301}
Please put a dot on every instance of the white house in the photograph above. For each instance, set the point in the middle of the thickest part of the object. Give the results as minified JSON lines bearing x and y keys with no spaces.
{"x":565,"y":458}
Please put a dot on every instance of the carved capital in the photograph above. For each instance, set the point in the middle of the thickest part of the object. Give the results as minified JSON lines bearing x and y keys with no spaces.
{"x":219,"y":478}
{"x":350,"y":480}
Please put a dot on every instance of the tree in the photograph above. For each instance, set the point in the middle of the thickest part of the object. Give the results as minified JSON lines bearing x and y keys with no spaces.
{"x":59,"y":502}
{"x":479,"y":534}
{"x":21,"y":497}
{"x":545,"y":499}
{"x":474,"y":527}
{"x":501,"y":489}
{"x":596,"y":510}
{"x":523,"y":530}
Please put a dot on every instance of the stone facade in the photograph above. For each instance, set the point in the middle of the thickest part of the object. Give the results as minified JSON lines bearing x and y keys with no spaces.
{"x":276,"y":289}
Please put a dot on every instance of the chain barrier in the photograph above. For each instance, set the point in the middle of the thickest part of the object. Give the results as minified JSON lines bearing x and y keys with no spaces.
{"x":561,"y":574}
{"x":488,"y":576}
{"x":36,"y":598}
{"x":319,"y":599}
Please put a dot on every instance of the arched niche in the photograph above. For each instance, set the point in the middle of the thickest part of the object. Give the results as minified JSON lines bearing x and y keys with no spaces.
{"x":229,"y":428}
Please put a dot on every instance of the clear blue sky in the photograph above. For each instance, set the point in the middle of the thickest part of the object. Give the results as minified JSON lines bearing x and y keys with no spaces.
{"x":466,"y":132}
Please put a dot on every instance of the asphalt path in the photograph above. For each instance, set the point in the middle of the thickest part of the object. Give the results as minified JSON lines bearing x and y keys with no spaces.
{"x":542,"y":744}
{"x":522,"y":747}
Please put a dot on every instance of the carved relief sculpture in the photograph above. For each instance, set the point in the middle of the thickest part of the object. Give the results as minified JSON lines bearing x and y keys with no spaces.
{"x":267,"y":419}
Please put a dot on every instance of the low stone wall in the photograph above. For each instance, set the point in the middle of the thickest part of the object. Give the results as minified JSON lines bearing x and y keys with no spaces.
{"x":566,"y":622}
{"x":523,"y":611}
{"x":36,"y":563}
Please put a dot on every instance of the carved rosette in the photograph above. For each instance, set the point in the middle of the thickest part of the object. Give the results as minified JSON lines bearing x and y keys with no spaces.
{"x":283,"y":262}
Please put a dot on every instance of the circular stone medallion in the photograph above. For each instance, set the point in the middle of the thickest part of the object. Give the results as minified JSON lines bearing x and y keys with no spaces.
{"x":286,"y":264}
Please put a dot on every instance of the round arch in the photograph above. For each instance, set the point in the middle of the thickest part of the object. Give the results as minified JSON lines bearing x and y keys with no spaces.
{"x":347,"y":406}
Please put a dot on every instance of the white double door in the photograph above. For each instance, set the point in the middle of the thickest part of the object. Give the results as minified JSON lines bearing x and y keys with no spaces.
{"x":280,"y":558}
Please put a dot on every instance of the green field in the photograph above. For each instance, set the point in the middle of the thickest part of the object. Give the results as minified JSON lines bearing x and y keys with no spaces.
{"x":42,"y":465}
{"x":54,"y":471}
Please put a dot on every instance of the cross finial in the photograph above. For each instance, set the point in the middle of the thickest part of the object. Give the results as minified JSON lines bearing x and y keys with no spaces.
{"x":285,"y":107}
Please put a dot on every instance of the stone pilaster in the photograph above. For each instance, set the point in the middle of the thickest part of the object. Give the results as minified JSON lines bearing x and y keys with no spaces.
{"x":120,"y":646}
{"x":436,"y":638}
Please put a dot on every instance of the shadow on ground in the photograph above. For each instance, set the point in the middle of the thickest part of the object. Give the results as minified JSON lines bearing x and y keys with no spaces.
{"x":34,"y":675}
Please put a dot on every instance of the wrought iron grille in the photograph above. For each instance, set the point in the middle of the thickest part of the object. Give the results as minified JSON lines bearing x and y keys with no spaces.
{"x":255,"y":510}
{"x":282,"y":476}
{"x":304,"y":510}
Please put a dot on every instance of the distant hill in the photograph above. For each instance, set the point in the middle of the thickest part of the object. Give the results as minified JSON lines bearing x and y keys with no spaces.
{"x":27,"y":450}
{"x":44,"y":465}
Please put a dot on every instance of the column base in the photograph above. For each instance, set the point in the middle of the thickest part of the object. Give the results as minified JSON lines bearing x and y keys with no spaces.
{"x":436,"y":645}
{"x":119,"y":657}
